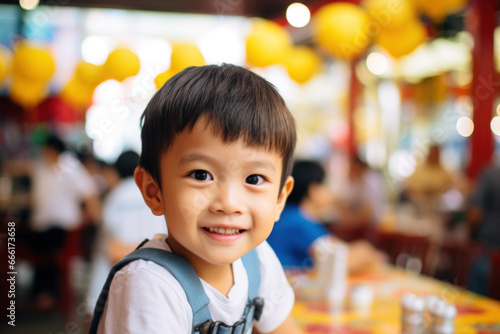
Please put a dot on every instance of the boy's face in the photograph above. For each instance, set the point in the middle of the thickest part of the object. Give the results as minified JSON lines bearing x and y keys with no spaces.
{"x":220,"y":199}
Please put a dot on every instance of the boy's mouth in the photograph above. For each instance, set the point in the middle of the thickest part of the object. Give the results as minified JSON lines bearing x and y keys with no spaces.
{"x":224,"y":231}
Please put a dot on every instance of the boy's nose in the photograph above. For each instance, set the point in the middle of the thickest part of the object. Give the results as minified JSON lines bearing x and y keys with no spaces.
{"x":228,"y":199}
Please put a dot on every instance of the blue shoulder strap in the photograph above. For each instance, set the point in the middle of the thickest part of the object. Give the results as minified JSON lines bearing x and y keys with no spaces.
{"x":185,"y":275}
{"x":180,"y":269}
{"x":252,"y":267}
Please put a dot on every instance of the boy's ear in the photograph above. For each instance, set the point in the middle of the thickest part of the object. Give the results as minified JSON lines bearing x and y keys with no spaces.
{"x":149,"y":190}
{"x":287,"y":189}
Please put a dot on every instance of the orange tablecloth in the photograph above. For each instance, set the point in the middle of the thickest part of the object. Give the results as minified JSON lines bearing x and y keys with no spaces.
{"x":476,"y":314}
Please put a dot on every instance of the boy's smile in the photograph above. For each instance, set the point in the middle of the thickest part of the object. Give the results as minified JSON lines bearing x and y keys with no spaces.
{"x":220,"y":199}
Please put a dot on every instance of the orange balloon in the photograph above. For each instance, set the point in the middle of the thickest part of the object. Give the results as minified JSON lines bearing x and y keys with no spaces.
{"x":33,"y":62}
{"x":342,"y":29}
{"x":185,"y":55}
{"x":27,"y":93}
{"x":121,"y":64}
{"x":5,"y":62}
{"x":268,"y":43}
{"x":77,"y":93}
{"x":89,"y":74}
{"x":402,"y":41}
{"x":390,"y":14}
{"x":302,"y":64}
{"x":163,"y":77}
{"x":439,"y":9}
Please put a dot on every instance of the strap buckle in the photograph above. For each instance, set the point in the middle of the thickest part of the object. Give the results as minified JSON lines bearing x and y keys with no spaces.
{"x":204,"y":327}
{"x":258,"y":303}
{"x":237,"y":324}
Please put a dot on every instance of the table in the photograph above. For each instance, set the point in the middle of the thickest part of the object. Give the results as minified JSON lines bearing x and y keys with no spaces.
{"x":476,"y":314}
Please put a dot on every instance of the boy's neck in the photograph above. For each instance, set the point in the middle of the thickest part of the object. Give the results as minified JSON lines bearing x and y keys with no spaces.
{"x":218,"y":276}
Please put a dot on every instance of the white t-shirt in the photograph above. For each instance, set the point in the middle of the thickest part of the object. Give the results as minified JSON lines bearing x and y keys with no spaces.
{"x":145,"y":298}
{"x":58,"y":192}
{"x":126,"y":216}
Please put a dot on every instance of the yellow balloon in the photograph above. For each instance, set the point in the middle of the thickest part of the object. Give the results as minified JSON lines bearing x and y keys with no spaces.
{"x":402,"y":41}
{"x":33,"y":62}
{"x":390,"y":14}
{"x":439,"y":9}
{"x":163,"y":77}
{"x":342,"y":29}
{"x":268,"y":43}
{"x":121,"y":64}
{"x":89,"y":74}
{"x":302,"y":64}
{"x":5,"y":62}
{"x":185,"y":55}
{"x":77,"y":93}
{"x":27,"y":93}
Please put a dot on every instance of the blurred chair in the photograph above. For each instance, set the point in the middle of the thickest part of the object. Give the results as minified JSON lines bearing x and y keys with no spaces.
{"x":452,"y":261}
{"x":494,"y":276}
{"x":406,"y":251}
{"x":349,"y":234}
{"x":68,"y":298}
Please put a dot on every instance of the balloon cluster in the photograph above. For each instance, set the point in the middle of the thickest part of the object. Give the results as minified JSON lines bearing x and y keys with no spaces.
{"x":269,"y":43}
{"x":32,"y":67}
{"x":345,"y":30}
{"x":120,"y":64}
{"x":183,"y":55}
{"x":29,"y":68}
{"x":341,"y":29}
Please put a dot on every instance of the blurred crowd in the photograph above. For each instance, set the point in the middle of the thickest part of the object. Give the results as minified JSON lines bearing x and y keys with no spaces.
{"x":78,"y":202}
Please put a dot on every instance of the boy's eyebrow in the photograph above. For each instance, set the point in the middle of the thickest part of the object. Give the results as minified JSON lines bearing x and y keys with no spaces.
{"x":194,"y":157}
{"x":200,"y":157}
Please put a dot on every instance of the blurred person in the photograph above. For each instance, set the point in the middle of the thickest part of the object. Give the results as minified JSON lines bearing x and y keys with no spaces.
{"x":483,"y":220}
{"x":361,"y":197}
{"x":299,"y":231}
{"x":428,"y":184}
{"x":127,"y":221}
{"x":61,"y":186}
{"x":483,"y":213}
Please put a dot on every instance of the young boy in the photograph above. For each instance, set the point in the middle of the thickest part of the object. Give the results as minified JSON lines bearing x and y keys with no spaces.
{"x":217,"y":145}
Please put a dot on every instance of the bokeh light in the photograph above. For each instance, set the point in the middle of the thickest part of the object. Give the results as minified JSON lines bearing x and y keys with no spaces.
{"x":298,"y":15}
{"x":495,"y":125}
{"x":28,"y":4}
{"x":465,"y":126}
{"x":95,"y":50}
{"x":376,"y":63}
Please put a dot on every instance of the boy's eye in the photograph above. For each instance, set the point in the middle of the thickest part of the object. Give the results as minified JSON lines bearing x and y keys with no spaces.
{"x":254,"y":179}
{"x":201,"y":175}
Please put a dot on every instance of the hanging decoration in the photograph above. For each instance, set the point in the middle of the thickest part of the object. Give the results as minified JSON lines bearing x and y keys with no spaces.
{"x":121,"y":64}
{"x":79,"y":90}
{"x":437,"y":10}
{"x":267,"y":44}
{"x":342,"y":29}
{"x":302,"y":63}
{"x":390,"y":14}
{"x":32,"y":68}
{"x":402,"y":41}
{"x":183,"y":55}
{"x":5,"y":63}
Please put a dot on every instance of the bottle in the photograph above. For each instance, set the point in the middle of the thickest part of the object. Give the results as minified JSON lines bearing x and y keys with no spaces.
{"x":412,"y":314}
{"x":443,"y":319}
{"x":332,"y":271}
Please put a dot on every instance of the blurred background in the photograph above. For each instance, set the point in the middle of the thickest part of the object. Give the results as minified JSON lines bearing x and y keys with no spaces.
{"x":407,"y":88}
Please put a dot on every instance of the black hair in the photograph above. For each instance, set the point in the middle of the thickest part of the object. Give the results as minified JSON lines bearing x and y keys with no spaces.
{"x":126,"y":163}
{"x":55,"y":143}
{"x":305,"y":173}
{"x":237,"y":103}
